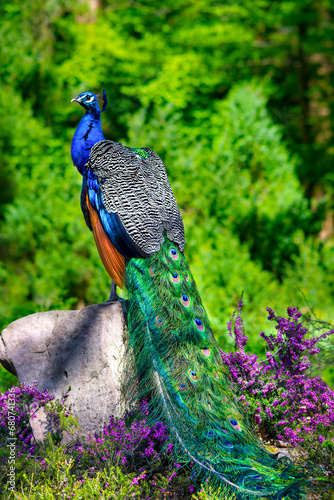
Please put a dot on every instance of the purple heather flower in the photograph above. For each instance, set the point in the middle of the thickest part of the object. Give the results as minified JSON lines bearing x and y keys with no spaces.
{"x":271,"y":314}
{"x":280,"y":380}
{"x":170,"y":447}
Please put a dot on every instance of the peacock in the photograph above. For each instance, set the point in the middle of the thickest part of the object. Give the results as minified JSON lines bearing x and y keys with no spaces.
{"x":174,"y":359}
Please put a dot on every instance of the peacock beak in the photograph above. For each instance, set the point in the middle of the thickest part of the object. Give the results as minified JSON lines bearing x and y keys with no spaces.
{"x":77,"y":99}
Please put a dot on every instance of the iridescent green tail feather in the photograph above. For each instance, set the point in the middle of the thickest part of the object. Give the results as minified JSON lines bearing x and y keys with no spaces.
{"x":176,"y":359}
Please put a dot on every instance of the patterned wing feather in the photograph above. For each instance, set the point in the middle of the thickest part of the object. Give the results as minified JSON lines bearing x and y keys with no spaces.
{"x":134,"y":185}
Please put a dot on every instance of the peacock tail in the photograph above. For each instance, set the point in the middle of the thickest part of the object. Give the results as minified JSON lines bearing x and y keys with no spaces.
{"x":173,"y":354}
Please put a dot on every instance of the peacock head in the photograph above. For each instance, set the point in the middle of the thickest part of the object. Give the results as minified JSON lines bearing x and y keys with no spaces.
{"x":91,"y":102}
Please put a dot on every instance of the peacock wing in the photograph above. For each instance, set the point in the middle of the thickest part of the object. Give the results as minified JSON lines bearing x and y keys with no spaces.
{"x":134,"y":185}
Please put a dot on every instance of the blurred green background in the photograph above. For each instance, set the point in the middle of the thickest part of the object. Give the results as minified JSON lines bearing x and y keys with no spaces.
{"x":237,"y":98}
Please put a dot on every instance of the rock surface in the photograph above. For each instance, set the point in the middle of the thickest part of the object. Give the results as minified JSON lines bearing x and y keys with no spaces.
{"x":82,"y":349}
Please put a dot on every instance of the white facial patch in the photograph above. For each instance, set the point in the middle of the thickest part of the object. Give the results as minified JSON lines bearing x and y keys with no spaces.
{"x":90,"y":99}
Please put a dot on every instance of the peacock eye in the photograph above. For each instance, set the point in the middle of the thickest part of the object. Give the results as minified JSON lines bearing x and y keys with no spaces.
{"x":185,"y":300}
{"x":89,"y":99}
{"x":174,"y":253}
{"x":206,"y":351}
{"x":159,"y":321}
{"x":175,"y":277}
{"x":235,"y":424}
{"x":199,"y":324}
{"x":192,"y":375}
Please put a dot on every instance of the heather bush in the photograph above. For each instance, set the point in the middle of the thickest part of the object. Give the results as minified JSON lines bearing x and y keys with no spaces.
{"x":127,"y":459}
{"x":280,"y":397}
{"x":17,"y":405}
{"x":135,"y":447}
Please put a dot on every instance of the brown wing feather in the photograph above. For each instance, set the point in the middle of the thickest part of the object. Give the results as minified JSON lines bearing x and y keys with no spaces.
{"x":112,"y":260}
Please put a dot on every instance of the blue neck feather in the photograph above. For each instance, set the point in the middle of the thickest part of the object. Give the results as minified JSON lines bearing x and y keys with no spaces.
{"x":88,"y":133}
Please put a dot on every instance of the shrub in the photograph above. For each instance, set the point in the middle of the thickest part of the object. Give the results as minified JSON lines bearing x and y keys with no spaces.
{"x":277,"y":393}
{"x":17,"y":406}
{"x":125,"y":460}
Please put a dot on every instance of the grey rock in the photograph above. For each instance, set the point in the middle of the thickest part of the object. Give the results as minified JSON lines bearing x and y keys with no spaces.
{"x":82,"y":349}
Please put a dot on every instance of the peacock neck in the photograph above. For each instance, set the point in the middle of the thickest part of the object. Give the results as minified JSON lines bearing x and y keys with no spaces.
{"x":88,"y":133}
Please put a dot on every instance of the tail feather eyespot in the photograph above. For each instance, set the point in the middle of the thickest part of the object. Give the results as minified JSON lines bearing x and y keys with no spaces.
{"x":234,"y":424}
{"x":206,"y":351}
{"x":185,"y":300}
{"x":174,"y":253}
{"x":192,"y":375}
{"x":199,"y":324}
{"x":159,"y":321}
{"x":152,"y":271}
{"x":175,"y":277}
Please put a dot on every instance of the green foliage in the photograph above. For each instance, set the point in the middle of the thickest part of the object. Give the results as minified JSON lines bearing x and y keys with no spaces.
{"x":209,"y":86}
{"x":206,"y":493}
{"x":6,"y":379}
{"x":321,"y":451}
{"x":57,"y":481}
